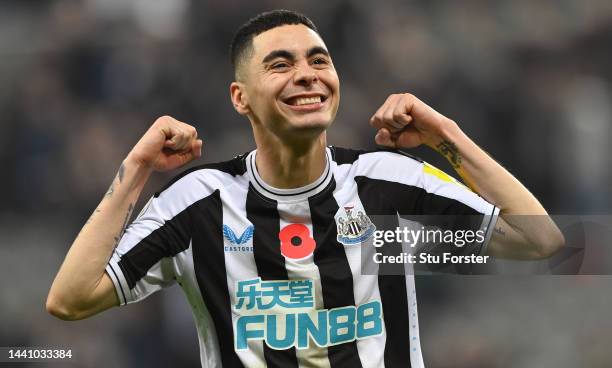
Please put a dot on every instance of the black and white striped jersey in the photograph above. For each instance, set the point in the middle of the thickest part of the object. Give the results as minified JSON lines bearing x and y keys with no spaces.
{"x":274,"y":275}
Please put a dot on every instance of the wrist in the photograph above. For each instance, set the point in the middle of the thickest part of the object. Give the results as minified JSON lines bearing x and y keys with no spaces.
{"x":133,"y":161}
{"x":447,"y":143}
{"x":448,"y":131}
{"x":136,"y":170}
{"x":451,"y":132}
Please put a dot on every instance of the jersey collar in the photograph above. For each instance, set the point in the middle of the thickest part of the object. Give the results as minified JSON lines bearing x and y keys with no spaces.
{"x":293,"y":194}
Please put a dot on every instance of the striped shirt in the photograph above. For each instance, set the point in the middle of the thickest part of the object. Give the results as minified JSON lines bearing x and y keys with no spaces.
{"x":274,"y":276}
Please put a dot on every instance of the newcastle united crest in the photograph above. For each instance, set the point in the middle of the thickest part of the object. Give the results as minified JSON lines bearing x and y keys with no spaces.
{"x":354,"y":226}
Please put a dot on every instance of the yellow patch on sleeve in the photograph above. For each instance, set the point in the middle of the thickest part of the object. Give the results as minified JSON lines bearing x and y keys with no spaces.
{"x":432,"y":170}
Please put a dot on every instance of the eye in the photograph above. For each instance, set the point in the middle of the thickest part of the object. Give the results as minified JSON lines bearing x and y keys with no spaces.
{"x":319,"y":61}
{"x":279,"y":65}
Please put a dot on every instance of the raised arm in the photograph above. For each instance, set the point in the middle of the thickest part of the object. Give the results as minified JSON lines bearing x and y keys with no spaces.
{"x":524,"y":229}
{"x":82,"y":288}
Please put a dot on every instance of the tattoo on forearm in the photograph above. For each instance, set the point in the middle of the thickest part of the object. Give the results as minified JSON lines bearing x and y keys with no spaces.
{"x":97,"y":210}
{"x":119,"y":176}
{"x":499,"y":231}
{"x":111,"y":189}
{"x":120,"y":173}
{"x":449,"y":150}
{"x":125,"y":222}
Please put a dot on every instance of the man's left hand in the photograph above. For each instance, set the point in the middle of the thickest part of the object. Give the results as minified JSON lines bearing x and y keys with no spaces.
{"x":404,"y":121}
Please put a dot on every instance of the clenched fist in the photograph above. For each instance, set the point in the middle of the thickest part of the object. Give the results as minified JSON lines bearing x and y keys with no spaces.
{"x":404,"y":121}
{"x":167,"y":145}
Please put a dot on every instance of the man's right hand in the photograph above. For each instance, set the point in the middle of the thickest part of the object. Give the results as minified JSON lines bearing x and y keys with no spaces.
{"x":167,"y":145}
{"x":82,"y":288}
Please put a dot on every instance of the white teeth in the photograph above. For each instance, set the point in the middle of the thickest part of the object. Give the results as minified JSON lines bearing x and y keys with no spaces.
{"x":307,"y":101}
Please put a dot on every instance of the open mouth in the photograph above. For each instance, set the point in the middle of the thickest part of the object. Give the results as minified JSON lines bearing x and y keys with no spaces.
{"x":305,"y":101}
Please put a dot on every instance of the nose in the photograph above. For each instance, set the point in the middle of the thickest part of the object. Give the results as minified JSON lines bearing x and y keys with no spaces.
{"x":305,"y":75}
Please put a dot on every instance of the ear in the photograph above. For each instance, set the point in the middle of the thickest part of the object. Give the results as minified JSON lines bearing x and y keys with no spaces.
{"x":239,"y":98}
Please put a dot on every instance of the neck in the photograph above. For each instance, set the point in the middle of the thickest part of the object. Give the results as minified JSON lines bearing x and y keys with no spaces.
{"x":286,"y":165}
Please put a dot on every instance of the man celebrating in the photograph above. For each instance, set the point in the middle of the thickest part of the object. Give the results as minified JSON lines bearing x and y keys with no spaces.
{"x":267,"y":246}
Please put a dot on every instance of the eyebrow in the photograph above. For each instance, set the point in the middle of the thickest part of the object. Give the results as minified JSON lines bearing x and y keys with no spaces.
{"x":317,"y":50}
{"x":285,"y":54}
{"x":278,"y":54}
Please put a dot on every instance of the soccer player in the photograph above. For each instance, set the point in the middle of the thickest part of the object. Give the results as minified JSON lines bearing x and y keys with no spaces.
{"x":267,"y":246}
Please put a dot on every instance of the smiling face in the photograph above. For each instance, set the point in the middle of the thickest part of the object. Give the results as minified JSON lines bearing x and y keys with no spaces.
{"x":289,"y":84}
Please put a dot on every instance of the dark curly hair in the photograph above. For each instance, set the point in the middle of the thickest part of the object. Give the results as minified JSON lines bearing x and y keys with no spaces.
{"x":242,"y":43}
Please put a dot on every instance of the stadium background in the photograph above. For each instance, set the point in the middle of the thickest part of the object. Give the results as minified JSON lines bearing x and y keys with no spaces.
{"x":80,"y":81}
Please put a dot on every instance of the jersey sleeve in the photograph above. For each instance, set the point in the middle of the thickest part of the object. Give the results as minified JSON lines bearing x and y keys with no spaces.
{"x":453,"y":206}
{"x":143,"y":263}
{"x":425,"y":197}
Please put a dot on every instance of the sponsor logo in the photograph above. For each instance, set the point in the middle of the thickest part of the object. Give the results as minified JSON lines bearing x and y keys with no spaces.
{"x":354,"y":226}
{"x":290,"y":320}
{"x":238,"y":244}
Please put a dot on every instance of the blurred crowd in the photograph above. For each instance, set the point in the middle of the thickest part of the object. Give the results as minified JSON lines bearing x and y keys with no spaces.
{"x":80,"y":82}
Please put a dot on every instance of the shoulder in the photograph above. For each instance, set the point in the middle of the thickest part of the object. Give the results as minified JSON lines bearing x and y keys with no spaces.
{"x":199,"y":185}
{"x":378,"y":162}
{"x":212,"y":176}
{"x":343,"y":156}
{"x":376,"y":166}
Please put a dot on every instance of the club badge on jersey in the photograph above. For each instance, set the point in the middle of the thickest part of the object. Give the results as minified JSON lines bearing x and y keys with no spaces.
{"x":354,"y":226}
